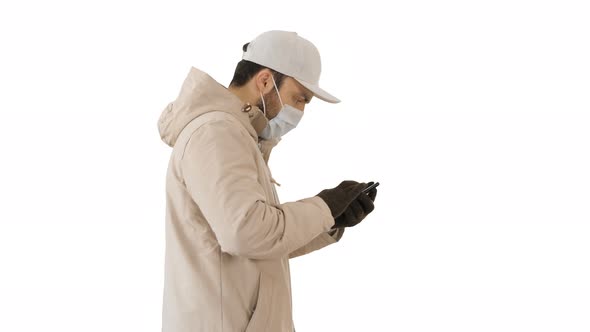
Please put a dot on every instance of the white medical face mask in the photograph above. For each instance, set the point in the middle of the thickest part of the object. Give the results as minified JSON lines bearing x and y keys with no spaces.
{"x":285,"y":121}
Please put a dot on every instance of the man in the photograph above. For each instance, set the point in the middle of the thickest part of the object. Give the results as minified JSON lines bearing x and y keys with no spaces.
{"x":228,"y":238}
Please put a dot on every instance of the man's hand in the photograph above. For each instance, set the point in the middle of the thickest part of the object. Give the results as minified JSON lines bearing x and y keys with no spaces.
{"x":349,"y":206}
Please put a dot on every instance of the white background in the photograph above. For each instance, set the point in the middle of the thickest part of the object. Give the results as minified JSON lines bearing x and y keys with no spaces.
{"x":474,"y":116}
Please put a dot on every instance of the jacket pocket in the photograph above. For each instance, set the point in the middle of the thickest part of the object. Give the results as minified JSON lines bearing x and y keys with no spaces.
{"x":259,"y":319}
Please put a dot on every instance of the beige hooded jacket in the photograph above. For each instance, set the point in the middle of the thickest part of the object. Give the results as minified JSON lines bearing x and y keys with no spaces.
{"x":228,"y":238}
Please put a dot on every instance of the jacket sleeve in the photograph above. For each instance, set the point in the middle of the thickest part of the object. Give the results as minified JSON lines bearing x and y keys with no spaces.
{"x":221,"y":175}
{"x":320,"y":241}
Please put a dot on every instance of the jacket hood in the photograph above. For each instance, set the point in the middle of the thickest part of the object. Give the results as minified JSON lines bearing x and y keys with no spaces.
{"x":201,"y":94}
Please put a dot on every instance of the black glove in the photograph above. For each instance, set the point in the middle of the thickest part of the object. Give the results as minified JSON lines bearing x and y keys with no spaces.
{"x":357,"y":210}
{"x":347,"y":204}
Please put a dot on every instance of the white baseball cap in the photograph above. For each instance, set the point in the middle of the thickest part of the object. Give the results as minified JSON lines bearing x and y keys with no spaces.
{"x":291,"y":55}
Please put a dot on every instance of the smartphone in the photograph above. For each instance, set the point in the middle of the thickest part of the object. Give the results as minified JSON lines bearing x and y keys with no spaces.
{"x":366,"y":190}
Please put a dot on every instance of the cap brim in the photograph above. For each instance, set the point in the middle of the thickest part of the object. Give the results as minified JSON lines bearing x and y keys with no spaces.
{"x":319,"y":92}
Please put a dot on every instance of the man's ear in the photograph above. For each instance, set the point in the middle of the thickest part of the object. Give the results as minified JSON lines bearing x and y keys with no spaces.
{"x":263,"y":81}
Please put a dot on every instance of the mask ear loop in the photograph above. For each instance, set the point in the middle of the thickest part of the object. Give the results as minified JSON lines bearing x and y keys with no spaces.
{"x":278,"y":94}
{"x":263,"y":105}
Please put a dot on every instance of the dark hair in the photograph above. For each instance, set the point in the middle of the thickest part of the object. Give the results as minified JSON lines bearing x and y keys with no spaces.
{"x":245,"y":70}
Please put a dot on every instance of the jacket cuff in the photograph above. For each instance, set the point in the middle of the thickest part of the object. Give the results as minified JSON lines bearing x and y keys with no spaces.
{"x":327,"y":218}
{"x":334,"y":235}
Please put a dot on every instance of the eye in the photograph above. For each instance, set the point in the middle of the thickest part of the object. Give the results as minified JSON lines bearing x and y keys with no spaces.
{"x":300,"y":99}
